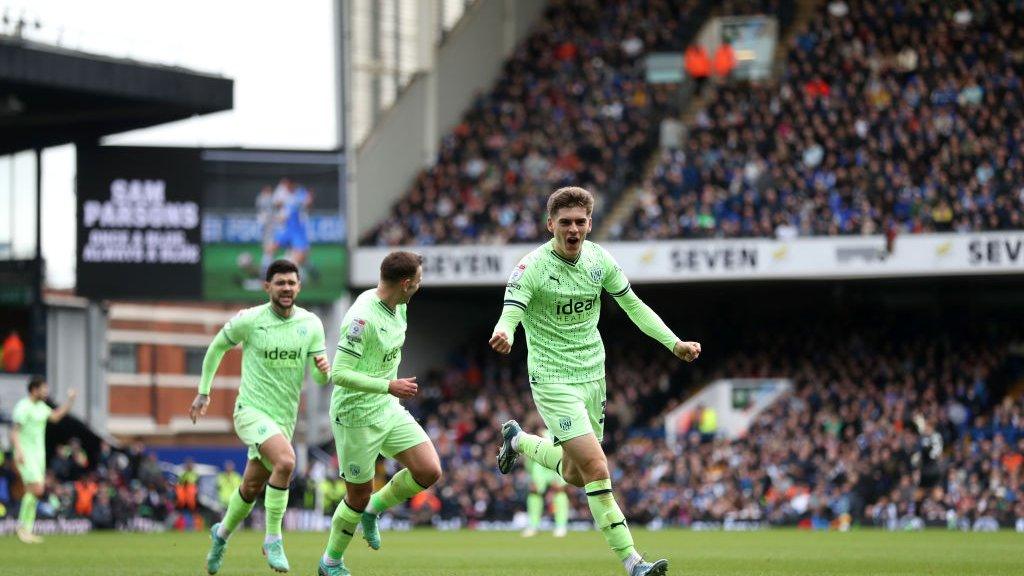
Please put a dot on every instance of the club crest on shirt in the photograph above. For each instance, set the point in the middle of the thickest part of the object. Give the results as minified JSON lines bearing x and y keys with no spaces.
{"x":353,"y":469}
{"x":596,"y":274}
{"x":355,"y":329}
{"x":517,"y":273}
{"x":565,"y":423}
{"x":302,"y":331}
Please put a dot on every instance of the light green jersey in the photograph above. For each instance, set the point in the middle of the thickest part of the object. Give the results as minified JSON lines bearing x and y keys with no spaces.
{"x":562,"y":304}
{"x":275,"y":352}
{"x":373,"y":334}
{"x":31,"y":417}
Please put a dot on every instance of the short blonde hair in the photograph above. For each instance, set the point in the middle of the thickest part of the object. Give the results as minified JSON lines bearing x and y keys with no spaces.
{"x":570,"y":197}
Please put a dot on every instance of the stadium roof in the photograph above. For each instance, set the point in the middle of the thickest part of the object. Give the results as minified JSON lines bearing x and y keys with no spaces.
{"x":50,"y":95}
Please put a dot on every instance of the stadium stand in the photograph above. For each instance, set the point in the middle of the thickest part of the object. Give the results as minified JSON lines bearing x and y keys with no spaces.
{"x":571,"y":107}
{"x":898,"y":138}
{"x":869,"y":130}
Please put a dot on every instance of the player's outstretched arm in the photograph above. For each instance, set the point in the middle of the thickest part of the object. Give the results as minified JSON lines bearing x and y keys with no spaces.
{"x":59,"y":414}
{"x":651,"y":324}
{"x":211,"y":361}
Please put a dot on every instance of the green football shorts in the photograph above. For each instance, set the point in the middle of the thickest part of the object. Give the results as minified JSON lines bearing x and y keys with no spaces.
{"x":358,"y":446}
{"x":254,"y":427}
{"x":571,"y":410}
{"x":33,"y":469}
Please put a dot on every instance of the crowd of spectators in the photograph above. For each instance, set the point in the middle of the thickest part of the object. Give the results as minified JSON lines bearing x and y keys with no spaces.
{"x":889,"y":117}
{"x":123,"y":489}
{"x":869,"y":129}
{"x":977,"y":484}
{"x":571,"y":107}
{"x":864,"y":424}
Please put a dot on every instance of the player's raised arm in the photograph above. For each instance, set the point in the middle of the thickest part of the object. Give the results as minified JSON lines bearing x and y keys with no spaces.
{"x":616,"y":284}
{"x":518,"y":292}
{"x":62,"y":411}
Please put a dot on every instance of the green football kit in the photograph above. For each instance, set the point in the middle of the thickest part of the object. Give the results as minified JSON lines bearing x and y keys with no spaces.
{"x":275,"y":354}
{"x":31,"y":417}
{"x":367,"y":420}
{"x":558,"y":302}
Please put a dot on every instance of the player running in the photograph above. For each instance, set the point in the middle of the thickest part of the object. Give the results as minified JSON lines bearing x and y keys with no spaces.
{"x":29,"y":439}
{"x":367,"y":418}
{"x":278,"y":340}
{"x":555,"y":291}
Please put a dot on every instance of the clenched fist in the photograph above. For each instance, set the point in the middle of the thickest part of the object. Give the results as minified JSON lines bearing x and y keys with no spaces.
{"x":688,"y":351}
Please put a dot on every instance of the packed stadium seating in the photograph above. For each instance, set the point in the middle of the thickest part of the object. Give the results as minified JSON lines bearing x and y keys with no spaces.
{"x":870,"y":129}
{"x":571,"y":107}
{"x":898,"y":138}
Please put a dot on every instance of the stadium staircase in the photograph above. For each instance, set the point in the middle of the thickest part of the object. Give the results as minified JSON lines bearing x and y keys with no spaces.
{"x":694,"y":103}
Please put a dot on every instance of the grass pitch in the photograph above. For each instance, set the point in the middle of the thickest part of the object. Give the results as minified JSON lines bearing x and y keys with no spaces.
{"x":433,"y":553}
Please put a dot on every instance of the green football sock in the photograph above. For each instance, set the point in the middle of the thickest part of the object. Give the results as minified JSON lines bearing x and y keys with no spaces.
{"x":608,"y":518}
{"x":534,"y":508}
{"x":400,"y":488}
{"x":561,"y":509}
{"x":27,"y":514}
{"x":541,"y":451}
{"x":275,"y":502}
{"x":343,"y":527}
{"x":238,"y":510}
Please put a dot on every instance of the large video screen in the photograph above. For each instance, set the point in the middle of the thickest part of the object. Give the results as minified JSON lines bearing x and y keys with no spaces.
{"x":258,"y":206}
{"x":189,"y":224}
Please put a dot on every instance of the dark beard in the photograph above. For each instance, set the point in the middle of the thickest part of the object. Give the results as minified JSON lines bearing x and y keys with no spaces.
{"x":277,"y":302}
